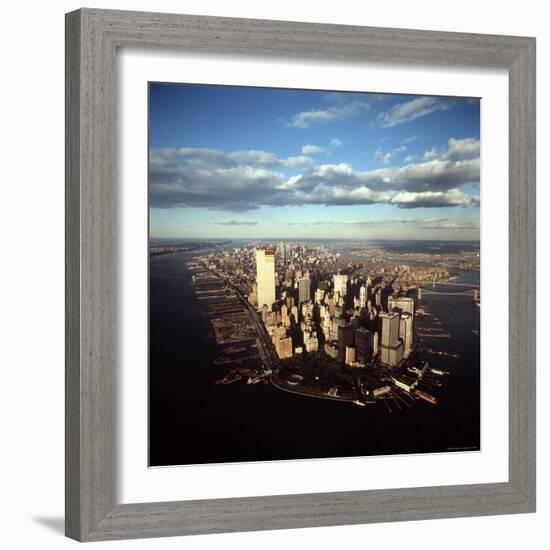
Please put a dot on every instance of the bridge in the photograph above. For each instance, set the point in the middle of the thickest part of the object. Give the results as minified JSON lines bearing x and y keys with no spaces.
{"x":428,"y":291}
{"x":449,"y":283}
{"x":460,"y":284}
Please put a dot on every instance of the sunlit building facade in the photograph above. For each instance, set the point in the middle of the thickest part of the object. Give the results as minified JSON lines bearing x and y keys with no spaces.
{"x":265,"y":277}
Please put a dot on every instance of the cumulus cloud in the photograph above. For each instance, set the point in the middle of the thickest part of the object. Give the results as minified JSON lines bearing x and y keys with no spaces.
{"x":245,"y":180}
{"x":236,"y":189}
{"x":431,"y":154}
{"x":335,"y":142}
{"x":294,"y":162}
{"x":202,"y":157}
{"x":411,"y":110}
{"x":457,"y":149}
{"x":434,"y":199}
{"x":311,"y":149}
{"x":462,"y":149}
{"x":432,"y":175}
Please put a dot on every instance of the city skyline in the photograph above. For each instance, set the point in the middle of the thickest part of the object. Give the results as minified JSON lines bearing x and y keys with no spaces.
{"x":231,"y":162}
{"x":347,"y":345}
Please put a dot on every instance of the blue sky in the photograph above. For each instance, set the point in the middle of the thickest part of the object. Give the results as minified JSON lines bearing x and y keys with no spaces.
{"x":236,"y":162}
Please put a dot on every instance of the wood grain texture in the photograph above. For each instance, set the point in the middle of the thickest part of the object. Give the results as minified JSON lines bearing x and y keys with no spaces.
{"x":91,"y":192}
{"x":72,"y":277}
{"x":92,"y":37}
{"x":522,"y":274}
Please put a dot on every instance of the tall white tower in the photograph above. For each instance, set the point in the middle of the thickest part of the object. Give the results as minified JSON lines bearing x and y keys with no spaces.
{"x":304,"y":289}
{"x":363,"y":296}
{"x":265,"y":277}
{"x":406,"y":332}
{"x":340,"y":284}
{"x":402,"y":303}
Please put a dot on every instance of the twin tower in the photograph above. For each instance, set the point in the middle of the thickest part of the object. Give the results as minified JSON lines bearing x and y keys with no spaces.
{"x":265,"y":277}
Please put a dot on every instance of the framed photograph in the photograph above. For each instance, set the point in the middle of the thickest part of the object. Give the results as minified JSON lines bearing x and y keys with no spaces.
{"x":368,"y":293}
{"x":300,"y":278}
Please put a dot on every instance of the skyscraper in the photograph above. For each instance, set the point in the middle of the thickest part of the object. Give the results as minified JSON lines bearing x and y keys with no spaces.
{"x":392,"y":356}
{"x":363,"y":296}
{"x":265,"y":277}
{"x":319,"y":296}
{"x":283,"y":346}
{"x":402,"y":303}
{"x":365,"y":345}
{"x":345,"y":339}
{"x":282,"y":252}
{"x":350,"y":355}
{"x":392,"y":348}
{"x":340,"y":284}
{"x":390,"y":329}
{"x":406,"y":333}
{"x":311,"y":342}
{"x":304,"y":289}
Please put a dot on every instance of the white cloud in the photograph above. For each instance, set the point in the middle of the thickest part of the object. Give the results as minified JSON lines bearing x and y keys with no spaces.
{"x":207,"y":158}
{"x":411,"y":110}
{"x":335,"y":142}
{"x":330,"y":169}
{"x":381,"y":155}
{"x":426,"y":199}
{"x":311,"y":149}
{"x":244,"y":180}
{"x":388,"y":156}
{"x":340,"y":111}
{"x":340,"y":195}
{"x":457,"y":149}
{"x":461,"y":149}
{"x":431,"y":154}
{"x":295,"y":162}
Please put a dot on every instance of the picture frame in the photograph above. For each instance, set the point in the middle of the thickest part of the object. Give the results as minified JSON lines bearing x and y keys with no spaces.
{"x":92,"y":39}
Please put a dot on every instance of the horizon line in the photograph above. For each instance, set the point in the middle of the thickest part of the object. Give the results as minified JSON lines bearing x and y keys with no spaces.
{"x":313,"y":239}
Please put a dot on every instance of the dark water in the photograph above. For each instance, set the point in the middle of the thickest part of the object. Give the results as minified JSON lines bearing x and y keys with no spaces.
{"x":194,"y":421}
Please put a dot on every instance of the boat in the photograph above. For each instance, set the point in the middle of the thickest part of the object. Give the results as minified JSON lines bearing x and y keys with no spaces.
{"x":439,"y":372}
{"x":229,"y":379}
{"x":426,"y":397}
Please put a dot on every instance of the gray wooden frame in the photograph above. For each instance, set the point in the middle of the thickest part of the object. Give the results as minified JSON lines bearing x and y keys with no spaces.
{"x":92,"y":38}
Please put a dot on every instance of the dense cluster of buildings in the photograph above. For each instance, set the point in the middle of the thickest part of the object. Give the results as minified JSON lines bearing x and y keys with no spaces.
{"x":305,"y":308}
